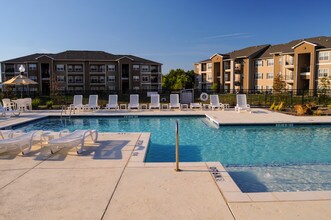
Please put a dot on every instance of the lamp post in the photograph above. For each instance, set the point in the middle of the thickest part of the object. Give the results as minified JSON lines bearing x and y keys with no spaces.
{"x":22,"y":70}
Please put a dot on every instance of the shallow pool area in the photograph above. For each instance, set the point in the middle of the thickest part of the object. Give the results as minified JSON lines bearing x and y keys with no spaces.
{"x":267,"y":158}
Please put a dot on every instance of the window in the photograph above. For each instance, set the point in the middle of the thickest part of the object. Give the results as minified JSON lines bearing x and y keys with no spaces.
{"x":323,"y":55}
{"x":78,"y":79}
{"x":258,"y":63}
{"x":136,"y":67}
{"x":268,"y":88}
{"x":70,"y":68}
{"x":209,"y":65}
{"x":111,"y":78}
{"x":34,"y":78}
{"x":60,"y":78}
{"x":33,"y":89}
{"x":226,"y":77}
{"x":270,"y":75}
{"x":136,"y":78}
{"x":94,"y":88}
{"x":94,"y":79}
{"x":111,"y":67}
{"x":136,"y":88}
{"x":258,"y":75}
{"x":70,"y":79}
{"x":112,"y":88}
{"x":145,"y":78}
{"x":101,"y":79}
{"x":323,"y":73}
{"x":144,"y":68}
{"x":32,"y":66}
{"x":258,"y":87}
{"x":79,"y":88}
{"x":78,"y":68}
{"x":210,"y":77}
{"x":270,"y":62}
{"x":60,"y":67}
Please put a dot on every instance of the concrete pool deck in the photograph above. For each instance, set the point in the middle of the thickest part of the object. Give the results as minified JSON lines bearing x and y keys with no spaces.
{"x":110,"y":181}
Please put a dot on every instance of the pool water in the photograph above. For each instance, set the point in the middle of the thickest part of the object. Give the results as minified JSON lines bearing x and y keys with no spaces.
{"x":242,"y":149}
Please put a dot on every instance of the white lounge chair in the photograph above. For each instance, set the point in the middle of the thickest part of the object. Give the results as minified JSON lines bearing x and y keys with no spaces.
{"x":22,"y":141}
{"x":215,"y":103}
{"x":5,"y":134}
{"x":155,"y":101}
{"x":73,"y":139}
{"x":134,"y":102}
{"x":174,"y":101}
{"x":242,"y":104}
{"x":92,"y":103}
{"x":78,"y":103}
{"x":112,"y":102}
{"x":10,"y":108}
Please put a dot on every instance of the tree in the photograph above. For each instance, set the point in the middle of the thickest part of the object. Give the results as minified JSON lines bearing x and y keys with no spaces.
{"x":214,"y":87}
{"x":279,"y":84}
{"x":178,"y":79}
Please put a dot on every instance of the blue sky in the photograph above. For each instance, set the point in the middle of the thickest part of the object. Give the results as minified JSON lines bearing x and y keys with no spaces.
{"x":176,"y":33}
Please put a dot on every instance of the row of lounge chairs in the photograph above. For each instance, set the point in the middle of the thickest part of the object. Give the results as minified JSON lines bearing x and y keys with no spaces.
{"x":16,"y":139}
{"x":155,"y":103}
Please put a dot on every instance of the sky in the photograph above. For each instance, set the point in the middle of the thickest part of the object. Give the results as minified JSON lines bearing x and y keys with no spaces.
{"x":176,"y":33}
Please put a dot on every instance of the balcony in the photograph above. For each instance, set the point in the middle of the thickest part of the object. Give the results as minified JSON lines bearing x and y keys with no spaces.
{"x":305,"y":72}
{"x":289,"y":64}
{"x":237,"y":66}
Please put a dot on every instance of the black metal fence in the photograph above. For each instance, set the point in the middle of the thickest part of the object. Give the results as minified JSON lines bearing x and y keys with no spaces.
{"x":257,"y":98}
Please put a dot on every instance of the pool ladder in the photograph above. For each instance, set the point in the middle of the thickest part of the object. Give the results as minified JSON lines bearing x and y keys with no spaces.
{"x":63,"y":108}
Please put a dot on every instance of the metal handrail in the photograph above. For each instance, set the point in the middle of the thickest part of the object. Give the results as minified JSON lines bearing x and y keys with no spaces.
{"x":177,"y":148}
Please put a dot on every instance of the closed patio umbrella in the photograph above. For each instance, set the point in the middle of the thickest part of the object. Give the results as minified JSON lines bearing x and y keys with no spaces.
{"x":20,"y":80}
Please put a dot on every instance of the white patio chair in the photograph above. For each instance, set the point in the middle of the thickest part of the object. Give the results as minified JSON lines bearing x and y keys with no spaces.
{"x":174,"y":101}
{"x":9,"y":107}
{"x":196,"y":105}
{"x":78,"y":103}
{"x":112,"y":102}
{"x":92,"y":103}
{"x":215,"y":103}
{"x":21,"y":105}
{"x":22,"y":141}
{"x":74,"y":139}
{"x":28,"y":103}
{"x":242,"y":104}
{"x":134,"y":102}
{"x":155,"y":101}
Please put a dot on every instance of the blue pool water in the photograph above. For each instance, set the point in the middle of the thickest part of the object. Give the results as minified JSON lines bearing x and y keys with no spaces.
{"x":236,"y":147}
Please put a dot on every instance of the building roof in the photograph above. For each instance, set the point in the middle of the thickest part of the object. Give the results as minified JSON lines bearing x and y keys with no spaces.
{"x":320,"y":42}
{"x":83,"y":55}
{"x":248,"y":51}
{"x":204,"y":61}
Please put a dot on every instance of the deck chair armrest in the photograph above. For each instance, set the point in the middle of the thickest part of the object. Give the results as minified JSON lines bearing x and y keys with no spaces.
{"x":64,"y":132}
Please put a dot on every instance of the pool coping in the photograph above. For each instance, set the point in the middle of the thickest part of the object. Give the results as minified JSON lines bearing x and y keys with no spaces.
{"x":223,"y":180}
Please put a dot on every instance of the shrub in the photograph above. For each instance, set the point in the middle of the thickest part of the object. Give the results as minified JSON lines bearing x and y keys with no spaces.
{"x":49,"y":104}
{"x":35,"y":103}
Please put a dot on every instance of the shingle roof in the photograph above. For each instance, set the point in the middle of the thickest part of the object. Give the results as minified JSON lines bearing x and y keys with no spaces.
{"x":321,"y":42}
{"x":28,"y":58}
{"x":204,"y":61}
{"x":248,"y":51}
{"x":80,"y":55}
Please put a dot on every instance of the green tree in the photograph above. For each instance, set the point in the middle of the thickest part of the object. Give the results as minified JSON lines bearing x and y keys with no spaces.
{"x":214,"y":87}
{"x":178,"y":79}
{"x":279,"y":84}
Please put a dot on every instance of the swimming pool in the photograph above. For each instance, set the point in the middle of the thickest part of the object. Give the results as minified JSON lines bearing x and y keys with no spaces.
{"x":242,"y":149}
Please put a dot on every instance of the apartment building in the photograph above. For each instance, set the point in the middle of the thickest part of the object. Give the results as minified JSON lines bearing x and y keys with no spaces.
{"x":301,"y":64}
{"x":81,"y":71}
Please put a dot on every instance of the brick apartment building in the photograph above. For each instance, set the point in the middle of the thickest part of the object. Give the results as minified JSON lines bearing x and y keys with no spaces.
{"x":80,"y":71}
